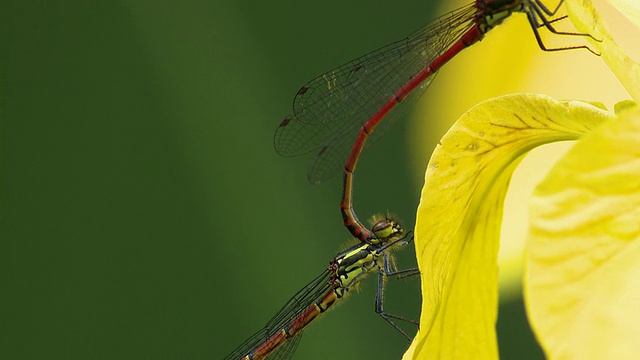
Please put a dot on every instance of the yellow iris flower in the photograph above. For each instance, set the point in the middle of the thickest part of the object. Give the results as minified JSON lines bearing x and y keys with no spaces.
{"x":582,"y":265}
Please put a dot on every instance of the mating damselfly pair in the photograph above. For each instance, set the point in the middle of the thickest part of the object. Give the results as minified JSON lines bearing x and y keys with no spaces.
{"x":335,"y":115}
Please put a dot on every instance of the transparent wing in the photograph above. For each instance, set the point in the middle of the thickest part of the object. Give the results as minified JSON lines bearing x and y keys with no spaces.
{"x":311,"y":293}
{"x":329,"y":110}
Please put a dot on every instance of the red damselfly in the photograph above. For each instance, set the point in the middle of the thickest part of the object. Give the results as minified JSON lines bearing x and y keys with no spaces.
{"x":337,"y":112}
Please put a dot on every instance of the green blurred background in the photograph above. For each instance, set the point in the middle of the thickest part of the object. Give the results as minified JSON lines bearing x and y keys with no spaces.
{"x":144,"y":211}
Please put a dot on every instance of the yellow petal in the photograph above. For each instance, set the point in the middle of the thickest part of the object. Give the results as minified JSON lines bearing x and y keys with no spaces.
{"x":629,"y":8}
{"x":458,"y":220}
{"x":587,"y":20}
{"x":515,"y":63}
{"x":583,"y":260}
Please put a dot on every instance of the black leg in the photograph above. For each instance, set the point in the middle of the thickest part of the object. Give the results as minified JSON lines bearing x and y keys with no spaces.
{"x":547,"y":24}
{"x":383,"y":273}
{"x":542,"y":6}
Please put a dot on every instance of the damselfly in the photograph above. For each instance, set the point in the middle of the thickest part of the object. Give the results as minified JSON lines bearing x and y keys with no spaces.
{"x":340,"y":109}
{"x":279,"y":338}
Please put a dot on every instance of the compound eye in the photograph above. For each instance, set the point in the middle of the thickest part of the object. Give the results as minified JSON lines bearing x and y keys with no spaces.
{"x":383,"y":229}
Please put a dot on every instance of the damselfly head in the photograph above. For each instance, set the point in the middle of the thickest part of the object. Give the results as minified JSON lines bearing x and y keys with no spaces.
{"x":387,"y":230}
